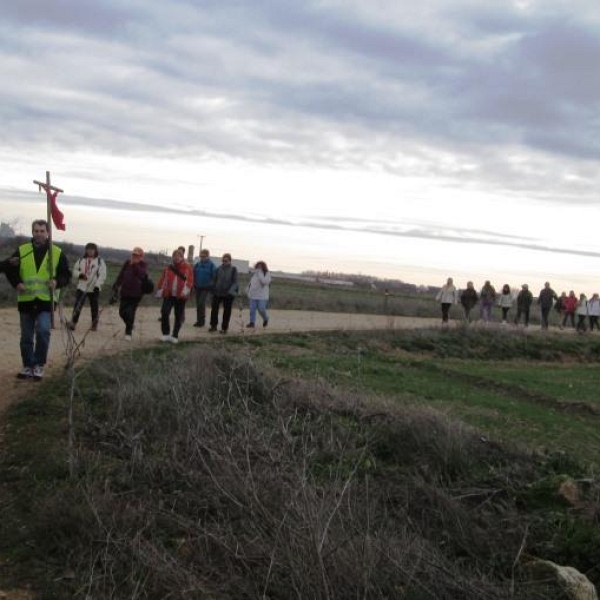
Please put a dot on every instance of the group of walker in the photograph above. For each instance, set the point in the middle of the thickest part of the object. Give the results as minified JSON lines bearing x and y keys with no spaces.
{"x":568,"y":306}
{"x":175,"y":286}
{"x":38,"y":270}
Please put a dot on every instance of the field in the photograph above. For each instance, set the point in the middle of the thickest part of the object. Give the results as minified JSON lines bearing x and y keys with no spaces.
{"x":540,"y":393}
{"x":233,"y":452}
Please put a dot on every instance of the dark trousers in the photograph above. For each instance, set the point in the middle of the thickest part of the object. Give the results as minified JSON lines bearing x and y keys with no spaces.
{"x":581,"y":323}
{"x":545,"y":313}
{"x":505,"y":310}
{"x":214,"y":311}
{"x":177,"y":305}
{"x":445,"y":311}
{"x":127,"y":309}
{"x":201,"y":298}
{"x":525,"y":313}
{"x":467,"y":310}
{"x":80,"y":298}
{"x":569,"y":317}
{"x":594,"y":322}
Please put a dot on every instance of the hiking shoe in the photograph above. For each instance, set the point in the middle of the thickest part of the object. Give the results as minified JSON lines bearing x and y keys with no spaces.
{"x":265,"y":323}
{"x":71,"y":325}
{"x":212,"y":329}
{"x":127,"y":338}
{"x":165,"y":338}
{"x":38,"y":372}
{"x":174,"y":340}
{"x":198,"y":324}
{"x":223,"y":331}
{"x":25,"y":373}
{"x":250,"y":326}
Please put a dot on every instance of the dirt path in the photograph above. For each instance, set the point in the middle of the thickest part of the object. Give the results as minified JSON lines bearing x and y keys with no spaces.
{"x":109,"y":338}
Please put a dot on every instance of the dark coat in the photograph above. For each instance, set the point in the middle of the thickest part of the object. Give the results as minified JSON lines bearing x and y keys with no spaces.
{"x":468,"y":298}
{"x":524,"y":300}
{"x":129,"y":280}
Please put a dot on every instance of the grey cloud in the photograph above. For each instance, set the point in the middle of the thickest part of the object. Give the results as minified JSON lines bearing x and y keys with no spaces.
{"x":90,"y":16}
{"x":289,"y":73}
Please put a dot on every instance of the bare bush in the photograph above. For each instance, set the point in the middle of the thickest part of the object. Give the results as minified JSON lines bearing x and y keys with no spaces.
{"x":201,"y":477}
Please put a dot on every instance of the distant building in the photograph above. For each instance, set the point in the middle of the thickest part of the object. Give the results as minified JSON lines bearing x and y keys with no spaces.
{"x":339,"y":282}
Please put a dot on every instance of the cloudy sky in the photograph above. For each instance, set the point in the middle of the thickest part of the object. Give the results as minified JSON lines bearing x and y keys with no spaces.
{"x":413,"y":140}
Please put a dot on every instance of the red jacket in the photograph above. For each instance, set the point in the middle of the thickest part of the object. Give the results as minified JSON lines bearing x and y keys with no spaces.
{"x":570,"y":304}
{"x":176,"y":281}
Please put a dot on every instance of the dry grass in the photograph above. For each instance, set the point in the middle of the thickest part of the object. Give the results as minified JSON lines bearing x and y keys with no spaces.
{"x":214,"y":480}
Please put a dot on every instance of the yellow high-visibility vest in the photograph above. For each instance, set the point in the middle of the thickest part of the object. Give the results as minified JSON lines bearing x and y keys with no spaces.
{"x":36,"y":281}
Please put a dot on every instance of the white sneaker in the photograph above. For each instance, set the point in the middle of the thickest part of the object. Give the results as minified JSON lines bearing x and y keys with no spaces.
{"x":25,"y":373}
{"x":38,"y":372}
{"x":174,"y":340}
{"x":127,"y":338}
{"x":165,"y":338}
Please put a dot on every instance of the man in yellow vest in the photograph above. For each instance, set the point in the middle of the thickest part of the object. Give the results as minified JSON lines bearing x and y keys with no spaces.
{"x":35,"y":284}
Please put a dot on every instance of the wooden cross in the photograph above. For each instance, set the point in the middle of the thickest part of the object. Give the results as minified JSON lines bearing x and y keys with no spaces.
{"x":49,"y":189}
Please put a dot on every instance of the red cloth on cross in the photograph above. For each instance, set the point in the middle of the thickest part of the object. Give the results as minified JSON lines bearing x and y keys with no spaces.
{"x":57,"y":217}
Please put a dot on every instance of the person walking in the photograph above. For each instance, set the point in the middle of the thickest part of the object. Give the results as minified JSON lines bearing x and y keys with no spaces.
{"x":546,"y":299}
{"x":487,"y":299}
{"x":505,"y":302}
{"x":569,"y":306}
{"x":258,"y":293}
{"x":204,"y":272}
{"x":174,"y":287}
{"x":594,"y":311}
{"x":129,"y":288}
{"x":90,"y":273}
{"x":182,"y":251}
{"x":43,"y":270}
{"x":524,"y":300}
{"x":468,"y":299}
{"x":581,"y":310}
{"x":225,"y":288}
{"x":447,"y":296}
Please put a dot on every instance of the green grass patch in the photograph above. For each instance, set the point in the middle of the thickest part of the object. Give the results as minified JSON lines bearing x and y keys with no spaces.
{"x":545,"y":406}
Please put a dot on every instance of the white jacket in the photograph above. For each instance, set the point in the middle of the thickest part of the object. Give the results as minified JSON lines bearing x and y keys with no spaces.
{"x":258,"y":286}
{"x":594,"y":308}
{"x":506,"y":300}
{"x":582,"y":308}
{"x":94,"y":270}
{"x":448,"y":294}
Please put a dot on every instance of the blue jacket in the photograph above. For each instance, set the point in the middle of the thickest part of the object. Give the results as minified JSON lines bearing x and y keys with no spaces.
{"x":204,"y":274}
